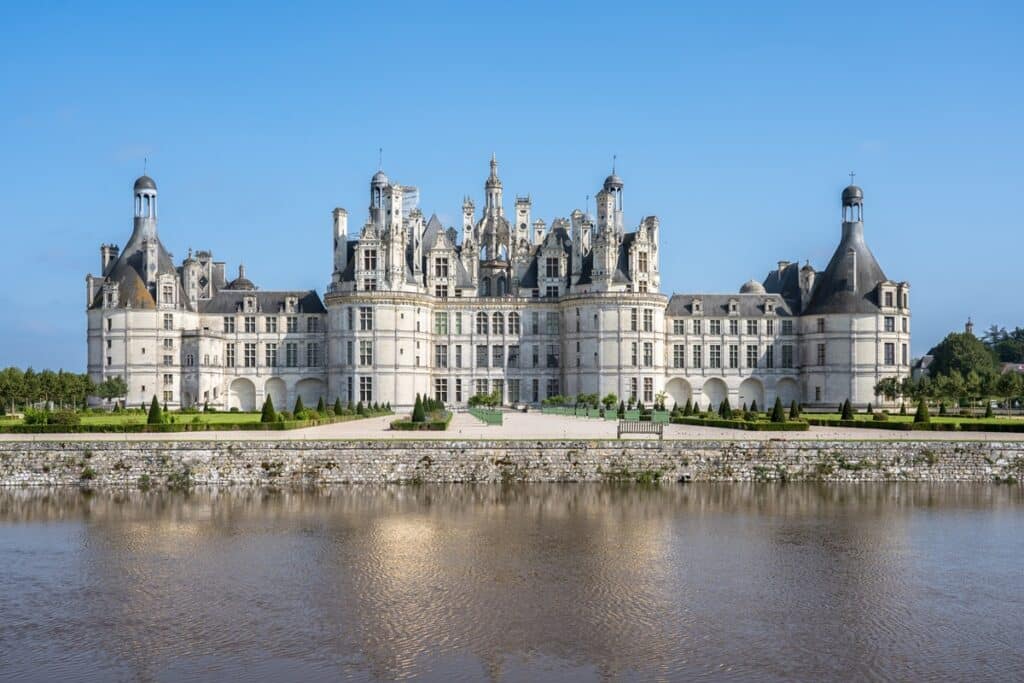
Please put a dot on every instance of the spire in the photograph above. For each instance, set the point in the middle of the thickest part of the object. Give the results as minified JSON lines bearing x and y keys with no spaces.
{"x":493,"y":179}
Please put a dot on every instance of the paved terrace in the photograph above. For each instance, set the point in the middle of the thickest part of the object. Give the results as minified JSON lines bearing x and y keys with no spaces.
{"x":521,"y":426}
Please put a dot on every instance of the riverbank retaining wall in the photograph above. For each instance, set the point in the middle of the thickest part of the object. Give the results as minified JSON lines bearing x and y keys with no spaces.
{"x":311,"y":463}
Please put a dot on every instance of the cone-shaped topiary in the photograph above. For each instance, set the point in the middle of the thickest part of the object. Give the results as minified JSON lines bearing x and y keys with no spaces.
{"x":870,"y":409}
{"x":622,"y":408}
{"x":155,"y":416}
{"x":794,"y":411}
{"x":688,"y":408}
{"x":725,"y":410}
{"x":338,"y":410}
{"x":988,"y":410}
{"x":298,"y":407}
{"x":778,"y":414}
{"x":360,"y":410}
{"x":847,"y":410}
{"x":269,"y":414}
{"x":922,"y":414}
{"x":942,"y":408}
{"x":418,"y":415}
{"x":320,"y":406}
{"x":903,"y":409}
{"x":753,"y":406}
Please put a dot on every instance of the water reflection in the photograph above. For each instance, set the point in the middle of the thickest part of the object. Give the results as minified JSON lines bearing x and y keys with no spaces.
{"x":528,"y":582}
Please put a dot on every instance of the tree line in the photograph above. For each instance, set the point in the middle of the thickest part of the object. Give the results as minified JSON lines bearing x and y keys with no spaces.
{"x":20,"y":389}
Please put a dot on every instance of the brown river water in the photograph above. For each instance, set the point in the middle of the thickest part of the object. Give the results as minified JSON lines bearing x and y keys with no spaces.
{"x":576,"y":582}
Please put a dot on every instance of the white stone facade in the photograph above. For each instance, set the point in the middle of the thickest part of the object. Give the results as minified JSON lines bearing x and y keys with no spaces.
{"x":512,"y":305}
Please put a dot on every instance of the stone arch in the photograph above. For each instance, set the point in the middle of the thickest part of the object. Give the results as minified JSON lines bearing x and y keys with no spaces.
{"x":714,"y":392}
{"x":679,"y":391}
{"x":278,"y":393}
{"x":311,"y":390}
{"x":751,"y":390}
{"x":787,"y":390}
{"x":242,"y":395}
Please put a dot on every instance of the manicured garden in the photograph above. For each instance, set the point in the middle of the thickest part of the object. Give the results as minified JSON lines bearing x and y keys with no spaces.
{"x":428,"y":415}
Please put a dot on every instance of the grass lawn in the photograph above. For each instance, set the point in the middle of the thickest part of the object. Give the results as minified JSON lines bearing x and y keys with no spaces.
{"x":909,"y":417}
{"x":140,"y":418}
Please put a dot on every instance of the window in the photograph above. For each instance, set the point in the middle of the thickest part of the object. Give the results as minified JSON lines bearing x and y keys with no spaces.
{"x":498,"y":323}
{"x":369,"y":284}
{"x":817,"y":393}
{"x":513,"y":323}
{"x":168,"y":321}
{"x":168,"y":343}
{"x":648,"y":320}
{"x":787,"y":327}
{"x":513,"y":357}
{"x":697,"y":327}
{"x":751,"y":327}
{"x":632,"y":320}
{"x":167,"y":294}
{"x":698,"y":356}
{"x":890,"y":353}
{"x":249,"y":323}
{"x":365,"y":352}
{"x":551,"y":292}
{"x":458,"y":390}
{"x":313,"y":355}
{"x":648,"y":389}
{"x":513,"y":391}
{"x":440,"y":323}
{"x":168,"y":396}
{"x":648,"y":354}
{"x":552,"y":322}
{"x":890,"y":323}
{"x":293,"y":324}
{"x":632,"y":388}
{"x":751,"y":356}
{"x":229,"y":324}
{"x":888,"y":299}
{"x":769,"y":357}
{"x":734,"y":327}
{"x":497,"y":356}
{"x":190,"y":360}
{"x":481,"y":387}
{"x":715,"y":356}
{"x":229,"y":355}
{"x":678,"y":327}
{"x":536,"y":391}
{"x":642,"y":286}
{"x":270,"y":323}
{"x":441,"y":390}
{"x":904,"y":356}
{"x":715,"y":327}
{"x":577,"y":320}
{"x":481,"y":355}
{"x":312,"y":324}
{"x":440,"y":266}
{"x":350,"y":316}
{"x":821,"y":325}
{"x":769,"y":327}
{"x":734,"y":355}
{"x":641,"y":262}
{"x":787,"y":355}
{"x":349,"y":353}
{"x":291,"y":354}
{"x":365,"y":317}
{"x":821,"y":354}
{"x":633,"y":355}
{"x":270,"y":355}
{"x":536,"y":356}
{"x":678,"y":356}
{"x":551,"y":266}
{"x":481,"y":323}
{"x":366,"y":389}
{"x":458,"y":323}
{"x":552,"y":355}
{"x":168,"y":379}
{"x":249,"y":355}
{"x":535,"y":322}
{"x":370,"y":259}
{"x":906,"y":325}
{"x":458,"y":356}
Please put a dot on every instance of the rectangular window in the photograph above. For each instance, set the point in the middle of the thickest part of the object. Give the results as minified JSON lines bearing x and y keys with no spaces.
{"x":734,"y":355}
{"x":458,"y":390}
{"x":370,"y":259}
{"x":769,"y":327}
{"x":751,"y":356}
{"x":440,"y":266}
{"x":678,"y":327}
{"x":632,"y":320}
{"x":312,"y":324}
{"x":168,"y":379}
{"x":906,"y":325}
{"x":551,"y":266}
{"x":821,"y":354}
{"x":552,"y":326}
{"x":441,"y":390}
{"x":350,"y":354}
{"x":458,"y":323}
{"x":715,"y":356}
{"x":905,"y":358}
{"x":229,"y":355}
{"x":441,"y":291}
{"x":632,"y":388}
{"x":536,"y":356}
{"x":168,"y":396}
{"x":167,"y":294}
{"x":787,"y":355}
{"x":697,"y":327}
{"x":250,"y":323}
{"x":229,"y":324}
{"x":270,"y":355}
{"x":168,"y":343}
{"x":698,"y":356}
{"x":440,"y":323}
{"x":648,"y":389}
{"x":751,"y":327}
{"x":552,"y":355}
{"x":821,"y":325}
{"x":513,"y":391}
{"x":633,"y":355}
{"x":366,"y":389}
{"x":888,"y":299}
{"x":351,"y":318}
{"x":734,"y":327}
{"x":365,"y":352}
{"x":249,"y":355}
{"x":535,"y":322}
{"x":365,"y":317}
{"x":168,"y":360}
{"x":551,"y":291}
{"x":513,"y":323}
{"x":270,"y":322}
{"x":641,"y":262}
{"x":481,"y":355}
{"x":536,"y":391}
{"x":458,"y":356}
{"x":293,"y":324}
{"x":168,"y":321}
{"x":554,"y":387}
{"x":648,"y":320}
{"x":481,"y":387}
{"x":313,"y":355}
{"x":890,"y":323}
{"x":769,"y":357}
{"x":513,"y":358}
{"x":441,"y":356}
{"x":291,"y":354}
{"x":787,"y":327}
{"x":678,"y":356}
{"x":715,"y":327}
{"x":890,"y":353}
{"x":497,"y":356}
{"x":648,"y":354}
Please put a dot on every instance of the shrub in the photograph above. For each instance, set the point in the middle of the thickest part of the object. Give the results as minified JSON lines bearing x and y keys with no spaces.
{"x":922,"y":416}
{"x":870,"y":409}
{"x":299,"y":408}
{"x":155,"y":416}
{"x":269,"y":414}
{"x":753,"y":406}
{"x":418,"y":414}
{"x":725,"y":410}
{"x":942,"y":408}
{"x":880,"y":417}
{"x":688,"y":408}
{"x":320,"y":406}
{"x":847,"y":410}
{"x":622,"y":409}
{"x":988,"y":409}
{"x":794,"y":411}
{"x":903,"y":409}
{"x":338,"y":410}
{"x":778,"y":414}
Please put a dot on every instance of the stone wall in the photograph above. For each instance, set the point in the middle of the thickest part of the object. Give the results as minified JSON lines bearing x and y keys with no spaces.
{"x":179,"y":464}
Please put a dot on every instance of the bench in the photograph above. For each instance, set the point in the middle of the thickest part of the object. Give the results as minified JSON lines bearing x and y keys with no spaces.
{"x":637,"y":427}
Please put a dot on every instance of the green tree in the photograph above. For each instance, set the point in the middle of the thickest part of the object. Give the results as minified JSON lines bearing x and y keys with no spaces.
{"x":338,"y":410}
{"x":418,"y":414}
{"x":778,"y":412}
{"x":922,"y":414}
{"x":753,"y":406}
{"x":889,"y":387}
{"x":609,"y":401}
{"x":688,"y":408}
{"x":847,"y":410}
{"x":156,"y":415}
{"x":724,"y":409}
{"x":299,"y":408}
{"x":320,"y":406}
{"x":268,"y":414}
{"x":964,"y":353}
{"x":794,"y":410}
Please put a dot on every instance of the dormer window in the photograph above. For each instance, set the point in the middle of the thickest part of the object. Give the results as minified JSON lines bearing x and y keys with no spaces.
{"x":250,"y":304}
{"x":769,"y":307}
{"x":734,"y":306}
{"x":370,"y":259}
{"x":641,"y":262}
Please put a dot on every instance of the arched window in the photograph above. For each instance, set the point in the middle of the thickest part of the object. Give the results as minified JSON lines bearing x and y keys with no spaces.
{"x":513,"y":323}
{"x":498,"y":323}
{"x":481,"y":323}
{"x":487,"y":286}
{"x":502,"y":286}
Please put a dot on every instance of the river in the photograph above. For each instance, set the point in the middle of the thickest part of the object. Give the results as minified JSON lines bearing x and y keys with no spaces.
{"x":516,"y":583}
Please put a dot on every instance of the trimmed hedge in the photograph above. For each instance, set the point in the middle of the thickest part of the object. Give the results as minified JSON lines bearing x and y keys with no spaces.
{"x":918,"y":426}
{"x":487,"y":416}
{"x":744,"y":425}
{"x":140,"y":428}
{"x":407,"y":425}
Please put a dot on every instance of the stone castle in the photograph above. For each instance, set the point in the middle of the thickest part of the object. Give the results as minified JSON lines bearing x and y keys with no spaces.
{"x":511,"y":305}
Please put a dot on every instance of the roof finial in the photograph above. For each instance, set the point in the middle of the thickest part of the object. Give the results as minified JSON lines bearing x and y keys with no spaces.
{"x":145,"y":162}
{"x":852,"y":174}
{"x":380,"y":158}
{"x":613,"y":164}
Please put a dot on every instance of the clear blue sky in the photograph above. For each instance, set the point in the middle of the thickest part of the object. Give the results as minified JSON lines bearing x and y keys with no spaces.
{"x":736,"y":123}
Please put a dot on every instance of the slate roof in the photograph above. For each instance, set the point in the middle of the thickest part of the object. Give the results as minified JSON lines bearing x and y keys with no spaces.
{"x":833,"y":291}
{"x":230,"y":301}
{"x":715,"y":305}
{"x":129,"y":273}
